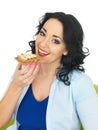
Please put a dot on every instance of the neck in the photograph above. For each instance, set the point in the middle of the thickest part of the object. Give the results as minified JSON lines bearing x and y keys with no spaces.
{"x":48,"y":69}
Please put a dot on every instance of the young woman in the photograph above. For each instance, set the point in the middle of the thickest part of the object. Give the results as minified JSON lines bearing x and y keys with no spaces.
{"x":54,"y":94}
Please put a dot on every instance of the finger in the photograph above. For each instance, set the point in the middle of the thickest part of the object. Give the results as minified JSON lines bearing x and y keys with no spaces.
{"x":36,"y":69}
{"x":32,"y":72}
{"x":28,"y":80}
{"x":19,"y":66}
{"x":27,"y":69}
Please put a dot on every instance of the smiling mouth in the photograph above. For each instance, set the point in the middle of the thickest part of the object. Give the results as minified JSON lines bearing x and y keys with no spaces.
{"x":42,"y":53}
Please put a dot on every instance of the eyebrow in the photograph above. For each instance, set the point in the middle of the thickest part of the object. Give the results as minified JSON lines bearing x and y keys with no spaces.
{"x":53,"y":35}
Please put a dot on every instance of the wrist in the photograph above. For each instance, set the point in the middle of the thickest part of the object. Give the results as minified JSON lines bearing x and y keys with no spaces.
{"x":15,"y":87}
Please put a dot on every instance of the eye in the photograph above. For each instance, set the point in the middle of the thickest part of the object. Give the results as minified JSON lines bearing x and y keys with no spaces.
{"x":41,"y":33}
{"x":56,"y":41}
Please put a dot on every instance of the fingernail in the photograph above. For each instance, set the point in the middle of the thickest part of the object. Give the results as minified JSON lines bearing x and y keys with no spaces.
{"x":38,"y":64}
{"x":29,"y":65}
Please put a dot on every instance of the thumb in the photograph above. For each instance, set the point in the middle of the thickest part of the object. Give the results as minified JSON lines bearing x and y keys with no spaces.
{"x":19,"y":66}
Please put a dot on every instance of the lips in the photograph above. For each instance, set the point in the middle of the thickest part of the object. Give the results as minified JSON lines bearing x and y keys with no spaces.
{"x":42,"y":52}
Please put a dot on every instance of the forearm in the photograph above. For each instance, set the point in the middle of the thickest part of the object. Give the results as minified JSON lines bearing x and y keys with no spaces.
{"x":8,"y":103}
{"x":22,"y":77}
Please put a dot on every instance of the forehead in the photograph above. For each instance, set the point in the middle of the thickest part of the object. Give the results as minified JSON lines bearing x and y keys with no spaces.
{"x":53,"y":25}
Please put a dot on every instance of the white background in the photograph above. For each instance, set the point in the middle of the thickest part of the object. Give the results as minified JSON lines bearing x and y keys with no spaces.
{"x":18,"y":21}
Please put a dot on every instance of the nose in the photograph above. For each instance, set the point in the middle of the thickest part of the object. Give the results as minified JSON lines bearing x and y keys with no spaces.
{"x":45,"y":41}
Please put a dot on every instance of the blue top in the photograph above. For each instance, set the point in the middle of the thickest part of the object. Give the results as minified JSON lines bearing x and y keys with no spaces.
{"x":32,"y":113}
{"x":69,"y":106}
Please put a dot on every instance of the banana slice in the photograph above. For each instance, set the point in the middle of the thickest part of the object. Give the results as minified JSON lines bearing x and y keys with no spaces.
{"x":27,"y":58}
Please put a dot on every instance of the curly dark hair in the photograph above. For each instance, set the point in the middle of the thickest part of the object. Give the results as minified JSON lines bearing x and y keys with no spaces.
{"x":73,"y":36}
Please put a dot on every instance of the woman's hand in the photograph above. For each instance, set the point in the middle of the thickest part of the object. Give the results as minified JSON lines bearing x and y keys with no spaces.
{"x":24,"y":75}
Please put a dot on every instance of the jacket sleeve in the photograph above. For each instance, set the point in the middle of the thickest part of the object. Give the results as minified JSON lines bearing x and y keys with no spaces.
{"x":86,"y":100}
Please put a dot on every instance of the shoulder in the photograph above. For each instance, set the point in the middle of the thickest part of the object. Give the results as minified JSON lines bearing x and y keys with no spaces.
{"x":80,"y":78}
{"x":81,"y":85}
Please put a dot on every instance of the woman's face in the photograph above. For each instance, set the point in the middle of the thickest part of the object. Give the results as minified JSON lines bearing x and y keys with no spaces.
{"x":49,"y":42}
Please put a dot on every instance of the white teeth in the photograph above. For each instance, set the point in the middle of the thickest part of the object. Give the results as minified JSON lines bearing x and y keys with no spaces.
{"x":42,"y":52}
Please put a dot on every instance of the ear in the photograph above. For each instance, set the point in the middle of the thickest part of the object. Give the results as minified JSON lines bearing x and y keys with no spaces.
{"x":65,"y":53}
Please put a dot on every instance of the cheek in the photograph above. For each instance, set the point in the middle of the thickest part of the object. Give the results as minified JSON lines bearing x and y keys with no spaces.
{"x":58,"y":50}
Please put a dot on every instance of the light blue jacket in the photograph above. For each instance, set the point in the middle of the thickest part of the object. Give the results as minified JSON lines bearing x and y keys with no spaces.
{"x":70,"y":105}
